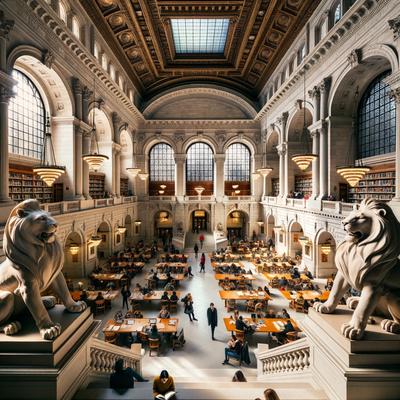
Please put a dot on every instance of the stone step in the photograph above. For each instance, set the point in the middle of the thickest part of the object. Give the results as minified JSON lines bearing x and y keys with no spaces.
{"x":232,"y":391}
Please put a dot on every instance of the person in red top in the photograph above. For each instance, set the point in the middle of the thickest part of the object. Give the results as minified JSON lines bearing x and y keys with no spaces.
{"x":202,"y":262}
{"x":201,"y":240}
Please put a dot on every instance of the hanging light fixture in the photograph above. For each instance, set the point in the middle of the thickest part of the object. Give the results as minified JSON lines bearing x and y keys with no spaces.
{"x":121,"y":229}
{"x":326,"y":248}
{"x":133,"y":171}
{"x":143,"y":175}
{"x":237,"y":191}
{"x":304,"y":160}
{"x":93,"y":158}
{"x":73,"y":249}
{"x":48,"y":170}
{"x":265,"y":170}
{"x":353,"y":172}
{"x":235,"y":187}
{"x":303,"y":240}
{"x":161,"y":191}
{"x":163,"y":186}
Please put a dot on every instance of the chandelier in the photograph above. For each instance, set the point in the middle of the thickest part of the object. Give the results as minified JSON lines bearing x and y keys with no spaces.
{"x":74,"y":249}
{"x":93,"y":158}
{"x":304,"y":160}
{"x":48,"y":170}
{"x":326,"y":248}
{"x":353,"y":172}
{"x":95,"y":240}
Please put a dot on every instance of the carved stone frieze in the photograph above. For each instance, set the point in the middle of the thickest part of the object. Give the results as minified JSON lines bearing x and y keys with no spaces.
{"x":394,"y":25}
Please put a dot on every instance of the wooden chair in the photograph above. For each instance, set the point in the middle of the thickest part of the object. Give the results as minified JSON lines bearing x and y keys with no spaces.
{"x":299,"y":305}
{"x":100,"y":307}
{"x":239,"y":334}
{"x":143,"y":338}
{"x":173,"y":305}
{"x":230,"y":305}
{"x":154,"y":345}
{"x":110,"y":337}
{"x":178,"y":341}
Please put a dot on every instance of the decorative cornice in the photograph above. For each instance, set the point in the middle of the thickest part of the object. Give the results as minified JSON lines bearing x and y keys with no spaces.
{"x":5,"y":25}
{"x":394,"y":25}
{"x":395,"y":95}
{"x":204,"y":124}
{"x":314,"y":92}
{"x":48,"y":58}
{"x":281,"y":149}
{"x":354,"y":58}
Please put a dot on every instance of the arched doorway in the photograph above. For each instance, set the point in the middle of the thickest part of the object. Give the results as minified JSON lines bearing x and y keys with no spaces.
{"x":73,"y":256}
{"x":163,"y":226}
{"x":199,"y":221}
{"x":295,"y":233}
{"x":270,"y":228}
{"x":236,"y":225}
{"x":325,"y":257}
{"x":104,"y":248}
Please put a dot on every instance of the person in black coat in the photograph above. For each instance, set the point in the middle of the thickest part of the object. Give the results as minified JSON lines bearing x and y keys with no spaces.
{"x":125,"y":292}
{"x":212,"y":317}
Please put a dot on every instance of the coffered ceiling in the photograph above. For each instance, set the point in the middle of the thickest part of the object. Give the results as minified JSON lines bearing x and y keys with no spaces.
{"x":258,"y":34}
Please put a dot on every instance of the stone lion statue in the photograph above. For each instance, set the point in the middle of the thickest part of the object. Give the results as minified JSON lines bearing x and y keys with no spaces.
{"x":33,"y":264}
{"x":368,"y":260}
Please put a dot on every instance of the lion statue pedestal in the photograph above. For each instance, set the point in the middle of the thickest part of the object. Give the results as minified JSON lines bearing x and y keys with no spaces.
{"x":43,"y":352}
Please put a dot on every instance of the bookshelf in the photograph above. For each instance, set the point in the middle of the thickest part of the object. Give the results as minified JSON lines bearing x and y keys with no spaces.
{"x":24,"y":184}
{"x":124,"y":188}
{"x":96,"y":186}
{"x":303,"y":184}
{"x":275,"y":186}
{"x":378,"y":184}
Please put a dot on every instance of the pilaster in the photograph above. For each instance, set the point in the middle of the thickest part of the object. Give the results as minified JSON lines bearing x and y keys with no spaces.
{"x":219,"y":187}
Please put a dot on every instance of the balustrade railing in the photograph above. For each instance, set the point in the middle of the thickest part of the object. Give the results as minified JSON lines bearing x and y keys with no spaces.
{"x":292,"y":357}
{"x":103,"y":356}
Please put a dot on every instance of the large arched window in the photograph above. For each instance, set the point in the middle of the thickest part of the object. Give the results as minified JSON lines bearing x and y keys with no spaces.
{"x":162,"y":170}
{"x":199,"y":169}
{"x":237,"y":170}
{"x":376,"y":122}
{"x":26,"y":119}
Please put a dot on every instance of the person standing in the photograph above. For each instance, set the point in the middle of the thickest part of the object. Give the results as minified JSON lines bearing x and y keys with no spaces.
{"x":196,"y":250}
{"x":125,"y":292}
{"x":212,"y":317}
{"x":203,"y":263}
{"x":201,"y":240}
{"x":188,"y":302}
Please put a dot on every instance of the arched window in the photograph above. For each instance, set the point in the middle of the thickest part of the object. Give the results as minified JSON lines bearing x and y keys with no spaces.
{"x":162,"y":170}
{"x":26,"y":119}
{"x":337,"y":14}
{"x":199,"y":169}
{"x":63,"y":11}
{"x":237,"y":170}
{"x":76,"y":28}
{"x":376,"y":120}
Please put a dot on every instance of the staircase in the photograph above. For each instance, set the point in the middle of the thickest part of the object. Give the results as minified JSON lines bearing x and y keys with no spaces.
{"x":192,"y":238}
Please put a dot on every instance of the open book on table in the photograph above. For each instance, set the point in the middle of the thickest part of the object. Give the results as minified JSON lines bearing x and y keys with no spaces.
{"x":165,"y":396}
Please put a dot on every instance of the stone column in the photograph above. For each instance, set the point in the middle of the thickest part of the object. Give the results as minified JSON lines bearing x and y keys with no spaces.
{"x":395,"y":94}
{"x":118,"y":172}
{"x":78,"y":163}
{"x":315,"y":164}
{"x":281,"y":149}
{"x":284,"y":184}
{"x":180,"y":160}
{"x":86,"y":95}
{"x":257,"y":180}
{"x":116,"y":120}
{"x":323,"y":143}
{"x":85,"y":166}
{"x":77,"y":88}
{"x":323,"y":160}
{"x":5,"y":95}
{"x":315,"y":95}
{"x":219,"y":188}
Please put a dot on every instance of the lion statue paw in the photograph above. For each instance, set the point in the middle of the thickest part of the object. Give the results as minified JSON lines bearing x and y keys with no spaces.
{"x":50,"y":330}
{"x":12,"y":328}
{"x":352,"y":302}
{"x":77,"y":307}
{"x":352,"y":332}
{"x":391,"y":326}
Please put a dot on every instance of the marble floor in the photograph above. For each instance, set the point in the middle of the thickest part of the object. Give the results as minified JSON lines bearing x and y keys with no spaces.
{"x":201,"y":356}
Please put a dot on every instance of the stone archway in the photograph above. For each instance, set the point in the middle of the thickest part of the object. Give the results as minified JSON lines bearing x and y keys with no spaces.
{"x":295,"y":233}
{"x":104,"y":248}
{"x":163,"y":226}
{"x":74,"y":256}
{"x":237,"y":225}
{"x":325,"y":255}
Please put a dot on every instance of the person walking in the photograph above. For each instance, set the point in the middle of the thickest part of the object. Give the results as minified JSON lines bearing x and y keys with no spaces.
{"x":201,"y":240}
{"x":212,"y":317}
{"x":188,"y":302}
{"x":196,"y":250}
{"x":125,"y":292}
{"x":203,"y":263}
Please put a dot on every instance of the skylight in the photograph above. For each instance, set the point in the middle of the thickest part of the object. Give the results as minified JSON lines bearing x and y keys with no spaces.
{"x":200,"y":35}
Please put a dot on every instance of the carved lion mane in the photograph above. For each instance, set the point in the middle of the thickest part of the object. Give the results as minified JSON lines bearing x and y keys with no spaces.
{"x":373,"y":243}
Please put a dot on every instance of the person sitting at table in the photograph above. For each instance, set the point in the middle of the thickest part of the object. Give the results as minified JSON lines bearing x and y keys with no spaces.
{"x":283,"y":282}
{"x":110,"y":286}
{"x":259,"y":309}
{"x":165,"y":296}
{"x":164,"y":387}
{"x":99,"y":296}
{"x":242,"y":325}
{"x":239,"y":377}
{"x":308,"y":273}
{"x":235,"y":315}
{"x":295,"y":274}
{"x":284,"y":313}
{"x":174,"y":297}
{"x":154,"y":334}
{"x":234,"y":349}
{"x":84,"y":296}
{"x":302,"y":302}
{"x":270,"y":314}
{"x":164,"y":313}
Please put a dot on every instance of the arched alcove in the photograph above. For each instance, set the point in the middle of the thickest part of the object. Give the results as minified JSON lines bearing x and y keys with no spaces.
{"x":126,"y":143}
{"x":271,"y":159}
{"x":325,"y":255}
{"x":237,"y":225}
{"x":295,"y":233}
{"x":200,"y":221}
{"x":163,"y":226}
{"x":104,"y":248}
{"x":74,"y":256}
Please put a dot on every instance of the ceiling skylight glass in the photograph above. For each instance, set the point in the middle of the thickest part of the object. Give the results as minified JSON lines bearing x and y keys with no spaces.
{"x":200,"y":35}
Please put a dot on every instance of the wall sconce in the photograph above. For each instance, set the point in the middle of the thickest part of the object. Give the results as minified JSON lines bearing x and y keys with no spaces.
{"x":260,"y":223}
{"x":138,"y":222}
{"x":303,"y":240}
{"x":121,"y":229}
{"x":163,"y":187}
{"x":143,"y":176}
{"x":95,"y":240}
{"x":235,"y":187}
{"x":73,"y":249}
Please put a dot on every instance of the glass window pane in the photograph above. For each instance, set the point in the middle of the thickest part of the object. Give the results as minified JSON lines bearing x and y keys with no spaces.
{"x":199,"y":163}
{"x":162,"y":163}
{"x":237,"y":163}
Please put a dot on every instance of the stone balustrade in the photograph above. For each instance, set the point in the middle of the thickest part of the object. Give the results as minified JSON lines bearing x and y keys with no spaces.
{"x":292,"y":357}
{"x":103,"y":356}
